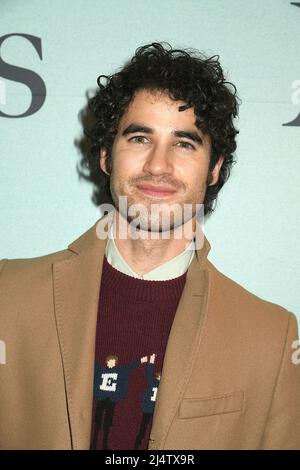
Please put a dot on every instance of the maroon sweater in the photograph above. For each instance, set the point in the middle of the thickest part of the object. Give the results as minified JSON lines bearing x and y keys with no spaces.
{"x":134,"y":321}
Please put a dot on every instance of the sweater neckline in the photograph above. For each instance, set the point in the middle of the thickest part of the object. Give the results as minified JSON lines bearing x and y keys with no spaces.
{"x":141,"y":289}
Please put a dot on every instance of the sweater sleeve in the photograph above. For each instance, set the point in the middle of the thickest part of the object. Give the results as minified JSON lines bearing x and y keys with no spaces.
{"x":282,"y":429}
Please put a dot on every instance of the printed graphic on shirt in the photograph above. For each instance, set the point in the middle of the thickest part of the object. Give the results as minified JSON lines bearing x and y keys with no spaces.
{"x":110,"y":386}
{"x":148,"y":401}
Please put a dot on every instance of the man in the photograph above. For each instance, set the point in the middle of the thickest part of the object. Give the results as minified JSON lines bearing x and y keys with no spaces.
{"x":230,"y":377}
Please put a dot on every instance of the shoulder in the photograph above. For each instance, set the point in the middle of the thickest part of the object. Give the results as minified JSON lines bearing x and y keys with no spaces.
{"x":250,"y":312}
{"x":24,"y":266}
{"x":42,"y":264}
{"x":29,"y":278}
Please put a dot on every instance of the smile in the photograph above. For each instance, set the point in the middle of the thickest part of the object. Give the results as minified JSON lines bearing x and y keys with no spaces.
{"x":155,"y":191}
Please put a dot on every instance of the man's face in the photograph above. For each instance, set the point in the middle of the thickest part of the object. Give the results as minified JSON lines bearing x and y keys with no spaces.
{"x":154,"y":162}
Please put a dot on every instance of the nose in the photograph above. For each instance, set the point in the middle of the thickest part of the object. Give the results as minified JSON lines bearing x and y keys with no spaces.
{"x":158,"y":160}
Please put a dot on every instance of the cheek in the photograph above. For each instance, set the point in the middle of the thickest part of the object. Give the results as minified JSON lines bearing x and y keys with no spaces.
{"x":127,"y":165}
{"x":119,"y":163}
{"x":194,"y":175}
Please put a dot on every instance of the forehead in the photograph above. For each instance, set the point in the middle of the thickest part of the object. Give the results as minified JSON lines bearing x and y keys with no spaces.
{"x":158,"y":108}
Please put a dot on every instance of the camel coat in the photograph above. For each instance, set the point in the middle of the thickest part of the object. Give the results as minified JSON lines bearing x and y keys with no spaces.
{"x":229,"y":380}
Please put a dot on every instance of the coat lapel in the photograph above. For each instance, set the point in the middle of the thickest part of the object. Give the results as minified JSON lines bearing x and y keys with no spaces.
{"x":182,"y":347}
{"x":76,"y":296}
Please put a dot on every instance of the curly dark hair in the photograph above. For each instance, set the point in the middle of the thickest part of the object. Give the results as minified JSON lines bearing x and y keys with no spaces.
{"x":185,"y":75}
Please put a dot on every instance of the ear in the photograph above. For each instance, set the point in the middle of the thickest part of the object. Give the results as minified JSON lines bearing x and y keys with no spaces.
{"x":102,"y":160}
{"x":216,"y":171}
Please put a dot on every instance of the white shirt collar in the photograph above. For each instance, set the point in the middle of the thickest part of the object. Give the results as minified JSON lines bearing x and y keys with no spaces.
{"x":171,"y":269}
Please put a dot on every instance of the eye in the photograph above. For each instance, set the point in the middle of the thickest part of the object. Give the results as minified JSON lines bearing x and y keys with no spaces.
{"x":187,"y":145}
{"x":135,"y":139}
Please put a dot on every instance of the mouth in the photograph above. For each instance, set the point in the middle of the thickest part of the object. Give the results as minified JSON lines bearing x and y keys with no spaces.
{"x":156,"y":191}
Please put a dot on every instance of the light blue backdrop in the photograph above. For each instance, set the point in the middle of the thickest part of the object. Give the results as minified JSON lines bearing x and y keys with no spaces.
{"x":255,"y":230}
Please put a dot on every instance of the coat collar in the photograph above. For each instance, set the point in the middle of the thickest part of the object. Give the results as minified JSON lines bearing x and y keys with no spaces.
{"x":76,"y":282}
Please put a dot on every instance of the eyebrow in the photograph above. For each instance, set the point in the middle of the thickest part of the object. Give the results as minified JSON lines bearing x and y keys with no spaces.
{"x":135,"y":127}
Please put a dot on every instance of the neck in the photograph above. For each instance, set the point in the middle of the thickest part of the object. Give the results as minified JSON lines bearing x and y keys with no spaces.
{"x":150,"y":250}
